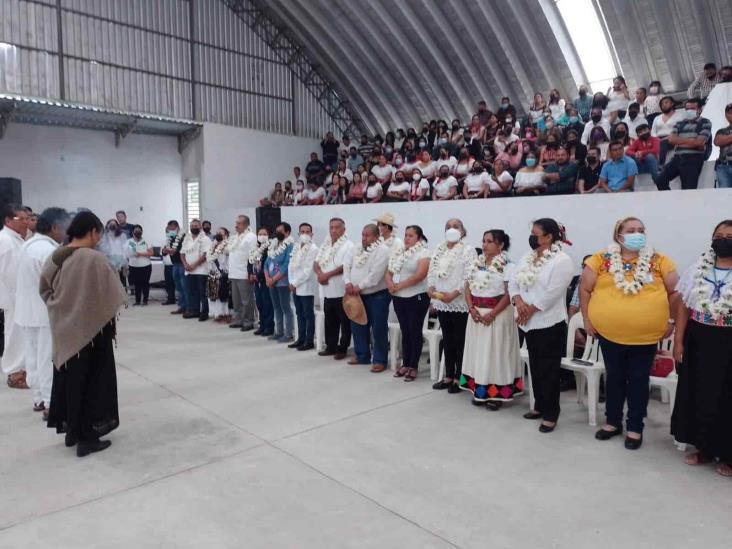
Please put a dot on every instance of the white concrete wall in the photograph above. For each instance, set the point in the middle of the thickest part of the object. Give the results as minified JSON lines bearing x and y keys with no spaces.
{"x":679,"y":223}
{"x":69,"y":168}
{"x":240,"y":166}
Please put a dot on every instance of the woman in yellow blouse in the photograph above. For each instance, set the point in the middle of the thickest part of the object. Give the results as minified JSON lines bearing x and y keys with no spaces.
{"x":626,"y":294}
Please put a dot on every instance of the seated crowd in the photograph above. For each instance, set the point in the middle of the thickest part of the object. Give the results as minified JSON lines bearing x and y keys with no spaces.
{"x":591,"y":144}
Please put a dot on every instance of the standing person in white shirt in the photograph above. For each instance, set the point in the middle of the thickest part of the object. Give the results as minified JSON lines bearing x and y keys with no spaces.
{"x":364,"y":276}
{"x":663,"y":125}
{"x":138,"y":256}
{"x":538,"y":291}
{"x":406,"y":280}
{"x":386,"y":223}
{"x":31,"y":314}
{"x":242,"y":294}
{"x":333,"y":255}
{"x":446,"y":287}
{"x":304,"y":287}
{"x":194,"y":250}
{"x":15,"y":227}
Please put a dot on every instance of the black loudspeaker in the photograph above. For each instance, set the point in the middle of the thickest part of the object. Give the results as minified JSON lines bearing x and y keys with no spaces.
{"x":10,"y":191}
{"x":269,"y":218}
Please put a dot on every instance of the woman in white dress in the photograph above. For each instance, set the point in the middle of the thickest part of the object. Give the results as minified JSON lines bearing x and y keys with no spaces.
{"x":492,"y":367}
{"x":446,"y":287}
{"x":529,"y":179}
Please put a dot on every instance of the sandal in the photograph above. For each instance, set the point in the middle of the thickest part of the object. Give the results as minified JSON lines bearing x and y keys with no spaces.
{"x":442,"y":385}
{"x":17,"y":381}
{"x":411,"y":375}
{"x":401,"y":372}
{"x":39,"y":407}
{"x":493,"y":406}
{"x":697,"y":458}
{"x":725,"y":469}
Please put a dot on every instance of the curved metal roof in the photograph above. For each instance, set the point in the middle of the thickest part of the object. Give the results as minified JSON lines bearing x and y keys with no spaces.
{"x":400,"y":63}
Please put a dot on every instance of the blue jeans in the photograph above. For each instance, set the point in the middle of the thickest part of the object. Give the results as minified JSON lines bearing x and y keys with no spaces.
{"x":724,"y":176}
{"x":179,"y":278}
{"x":372,"y":340}
{"x":649,"y":164}
{"x":264,"y":308}
{"x":305,"y":310}
{"x":197,"y":300}
{"x":628,"y":369}
{"x":282,"y":310}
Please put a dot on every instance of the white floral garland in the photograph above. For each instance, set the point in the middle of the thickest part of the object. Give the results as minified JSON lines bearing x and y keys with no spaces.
{"x":237,"y":240}
{"x":278,"y":248}
{"x":703,"y":291}
{"x":640,"y":273}
{"x":256,"y":253}
{"x":328,"y":251}
{"x":528,"y":271}
{"x":218,"y":250}
{"x":389,"y":242}
{"x":497,"y":267}
{"x":175,"y":241}
{"x":189,"y":244}
{"x":362,"y":256}
{"x":444,"y":258}
{"x":298,"y":253}
{"x":399,"y":256}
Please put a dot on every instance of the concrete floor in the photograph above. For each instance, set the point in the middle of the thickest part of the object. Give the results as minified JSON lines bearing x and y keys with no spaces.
{"x":231,"y":441}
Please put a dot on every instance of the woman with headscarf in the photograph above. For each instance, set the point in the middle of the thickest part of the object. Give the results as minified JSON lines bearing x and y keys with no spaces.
{"x":83,"y":295}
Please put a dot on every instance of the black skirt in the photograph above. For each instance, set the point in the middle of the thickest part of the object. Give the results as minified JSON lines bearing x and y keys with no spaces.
{"x":84,"y":393}
{"x":702,"y":413}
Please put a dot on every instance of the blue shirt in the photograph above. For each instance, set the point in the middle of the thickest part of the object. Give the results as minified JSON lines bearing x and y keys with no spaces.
{"x":583,"y":106}
{"x":616,"y":172}
{"x":279,"y":264}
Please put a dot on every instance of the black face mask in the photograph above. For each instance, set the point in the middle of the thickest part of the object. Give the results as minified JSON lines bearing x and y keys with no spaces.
{"x":582,"y":93}
{"x":195,"y":232}
{"x":722,"y":247}
{"x":591,"y":159}
{"x":533,"y":241}
{"x":596,"y":118}
{"x":455,"y":127}
{"x":207,"y":230}
{"x":620,"y":134}
{"x":138,"y":234}
{"x":444,"y":175}
{"x":551,"y":145}
{"x":400,"y":180}
{"x":280,"y":236}
{"x":219,"y":237}
{"x":644,"y":136}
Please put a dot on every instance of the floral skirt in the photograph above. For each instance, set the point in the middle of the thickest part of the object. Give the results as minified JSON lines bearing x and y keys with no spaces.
{"x":492,"y":367}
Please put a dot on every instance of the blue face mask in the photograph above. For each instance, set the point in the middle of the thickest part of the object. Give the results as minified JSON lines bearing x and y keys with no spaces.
{"x":573,"y":119}
{"x":172,"y":234}
{"x":531,"y":162}
{"x":634,"y":241}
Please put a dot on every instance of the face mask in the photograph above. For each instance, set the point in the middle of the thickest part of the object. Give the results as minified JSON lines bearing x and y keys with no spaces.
{"x":509,"y":121}
{"x":138,"y":234}
{"x":592,"y":159}
{"x":644,"y":136}
{"x":583,"y":93}
{"x":722,"y":247}
{"x":596,"y":118}
{"x":551,"y":145}
{"x":533,"y":241}
{"x":632,"y":114}
{"x":416,"y":177}
{"x":504,"y":106}
{"x":444,"y":175}
{"x":442,"y":141}
{"x":172,"y":234}
{"x":388,"y":150}
{"x":573,"y":119}
{"x":398,"y":162}
{"x":195,"y":232}
{"x":452,"y":235}
{"x":531,"y":162}
{"x":280,"y":236}
{"x":455,"y":127}
{"x":300,"y":187}
{"x":477,"y":169}
{"x":620,"y":134}
{"x":422,"y":144}
{"x":372,"y":182}
{"x":262,"y":238}
{"x":207,"y":230}
{"x":219,"y":238}
{"x":305,"y":238}
{"x":654,"y":90}
{"x":690,"y":114}
{"x":634,"y":241}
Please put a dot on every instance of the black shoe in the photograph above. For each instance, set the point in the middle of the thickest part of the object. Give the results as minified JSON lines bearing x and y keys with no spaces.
{"x":306,"y":347}
{"x":266,"y":334}
{"x":203,"y":318}
{"x":168,"y":302}
{"x":247,"y":328}
{"x":633,"y":443}
{"x":546,"y":428}
{"x":326,"y":353}
{"x":295,"y":345}
{"x":494,"y":406}
{"x":136,"y":304}
{"x":604,"y":434}
{"x":86,"y":448}
{"x":442,"y":385}
{"x":234,"y":325}
{"x":532,"y":415}
{"x":258,"y":332}
{"x":70,"y":440}
{"x":454,"y":389}
{"x":189,"y":316}
{"x":478,"y":402}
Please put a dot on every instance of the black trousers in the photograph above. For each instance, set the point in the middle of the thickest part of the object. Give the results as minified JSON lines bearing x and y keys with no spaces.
{"x":140,"y":279}
{"x":336,"y":324}
{"x":546,"y":348}
{"x":686,"y":166}
{"x":197,"y":300}
{"x":169,"y":283}
{"x":453,"y":341}
{"x":411,"y":312}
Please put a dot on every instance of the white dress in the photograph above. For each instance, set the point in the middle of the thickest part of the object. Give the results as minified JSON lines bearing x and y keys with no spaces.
{"x":492,"y":367}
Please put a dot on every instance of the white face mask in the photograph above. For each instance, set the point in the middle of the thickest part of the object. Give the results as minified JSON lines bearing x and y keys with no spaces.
{"x":453,"y":235}
{"x":262,"y":238}
{"x":690,"y":114}
{"x":305,"y":238}
{"x":416,"y":177}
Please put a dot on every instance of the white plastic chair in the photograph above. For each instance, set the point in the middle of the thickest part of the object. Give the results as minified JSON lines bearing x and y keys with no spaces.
{"x":524,"y":352}
{"x":320,"y":328}
{"x":587,"y":376}
{"x":667,"y":385}
{"x":395,"y":344}
{"x":433,"y":337}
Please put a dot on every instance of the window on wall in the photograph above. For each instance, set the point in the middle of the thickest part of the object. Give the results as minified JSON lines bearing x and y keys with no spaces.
{"x":192,"y":194}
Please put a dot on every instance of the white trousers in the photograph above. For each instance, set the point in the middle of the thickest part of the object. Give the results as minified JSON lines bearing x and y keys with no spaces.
{"x":38,"y":363}
{"x":12,"y":360}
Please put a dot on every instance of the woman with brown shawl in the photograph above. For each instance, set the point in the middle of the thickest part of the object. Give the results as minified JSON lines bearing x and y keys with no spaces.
{"x":83,"y":295}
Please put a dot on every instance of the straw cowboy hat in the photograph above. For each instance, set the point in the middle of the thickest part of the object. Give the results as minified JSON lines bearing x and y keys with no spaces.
{"x":387,"y":219}
{"x":354,"y":308}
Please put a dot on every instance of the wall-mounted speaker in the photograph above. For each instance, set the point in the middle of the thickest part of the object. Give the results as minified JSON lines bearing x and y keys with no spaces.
{"x":10,"y":191}
{"x":269,"y":218}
